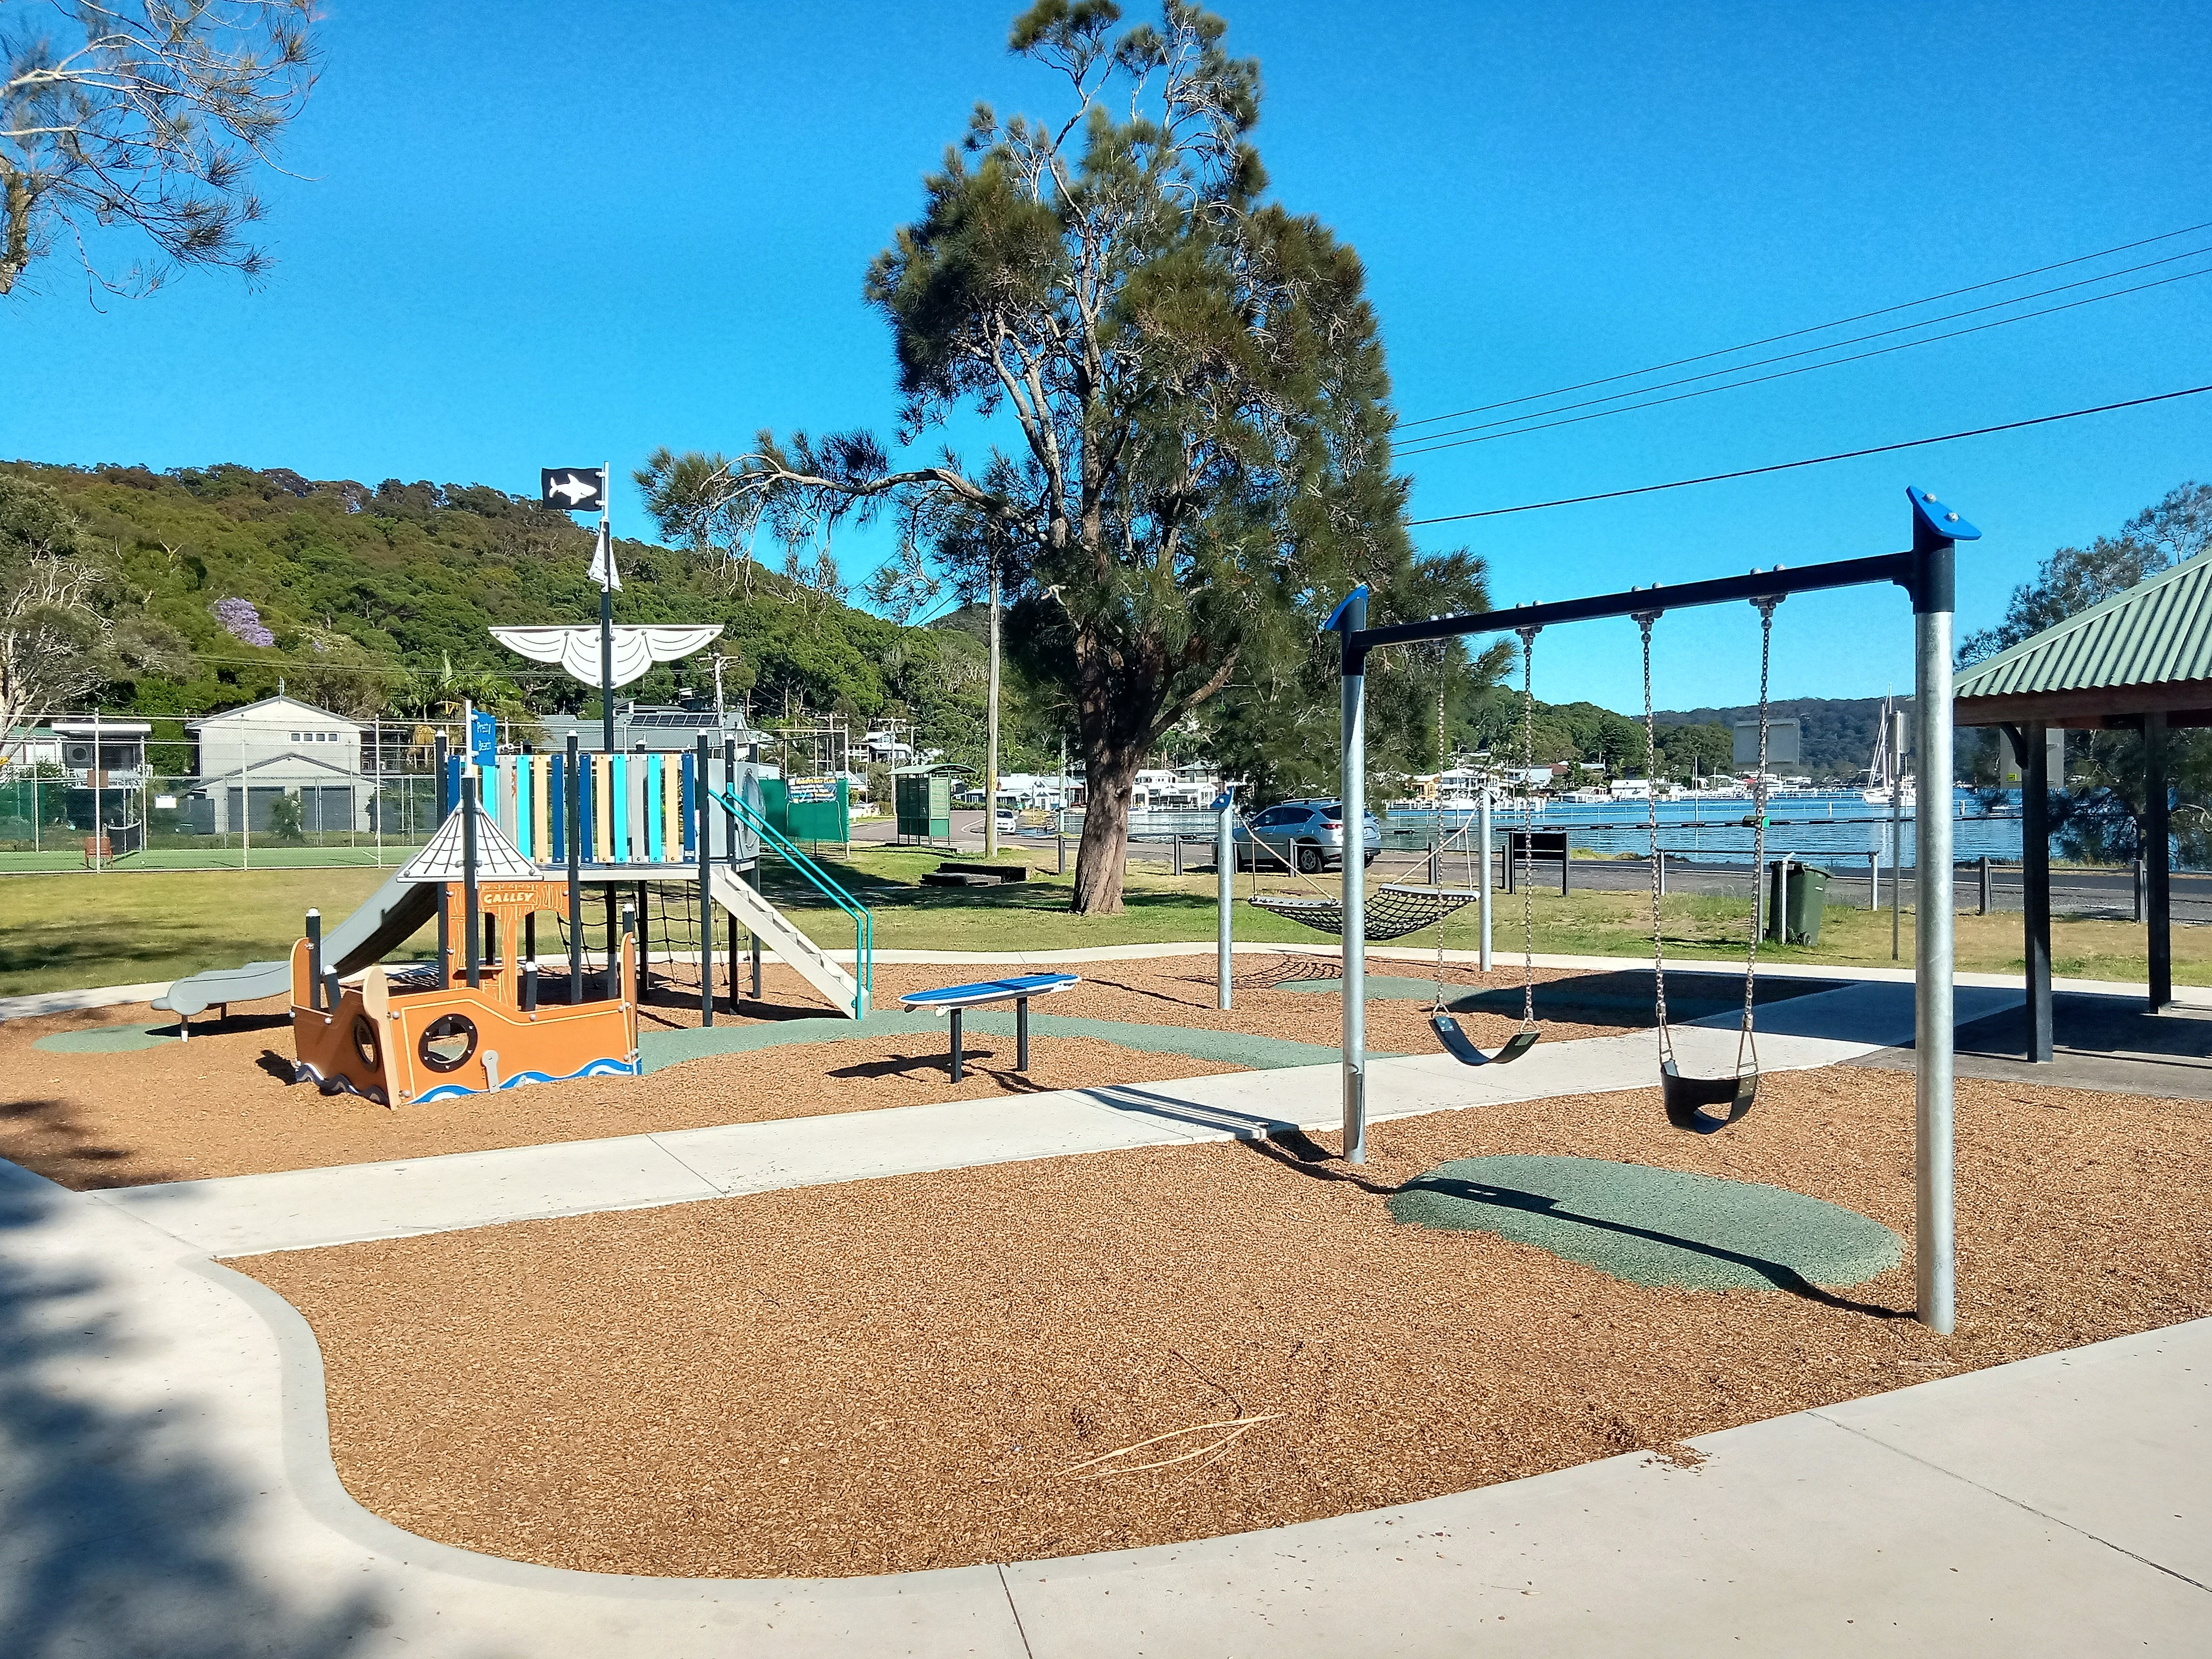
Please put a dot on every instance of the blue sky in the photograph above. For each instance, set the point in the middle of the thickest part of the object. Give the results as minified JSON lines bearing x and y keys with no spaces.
{"x":526,"y":236}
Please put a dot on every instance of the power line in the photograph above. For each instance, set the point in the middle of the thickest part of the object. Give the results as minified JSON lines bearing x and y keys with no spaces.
{"x":1814,"y":460}
{"x":1816,"y":328}
{"x":1807,"y":368}
{"x":1425,"y":445}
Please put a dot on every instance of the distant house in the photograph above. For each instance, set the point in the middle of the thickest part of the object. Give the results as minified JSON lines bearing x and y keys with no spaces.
{"x":30,"y":746}
{"x":251,"y":756}
{"x":653,"y":728}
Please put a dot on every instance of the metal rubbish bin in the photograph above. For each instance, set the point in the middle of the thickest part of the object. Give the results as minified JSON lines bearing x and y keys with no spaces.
{"x":1797,"y":921}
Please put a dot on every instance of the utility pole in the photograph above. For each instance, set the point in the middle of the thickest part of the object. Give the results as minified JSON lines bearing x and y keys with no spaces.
{"x":991,"y":728}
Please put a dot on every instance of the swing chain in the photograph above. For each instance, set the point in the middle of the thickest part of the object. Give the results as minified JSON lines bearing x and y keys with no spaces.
{"x":1749,"y":1038}
{"x":1644,"y":620}
{"x":1527,"y":827}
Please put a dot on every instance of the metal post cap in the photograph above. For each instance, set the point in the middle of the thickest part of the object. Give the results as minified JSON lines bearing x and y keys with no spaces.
{"x":1933,"y":521}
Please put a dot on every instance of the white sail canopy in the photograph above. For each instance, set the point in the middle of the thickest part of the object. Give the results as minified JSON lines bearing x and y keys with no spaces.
{"x":497,"y":859}
{"x":635,"y":649}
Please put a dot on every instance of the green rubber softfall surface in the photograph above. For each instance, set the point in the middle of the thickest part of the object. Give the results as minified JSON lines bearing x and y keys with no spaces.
{"x":1258,"y":1054}
{"x":106,"y":1039}
{"x":1650,"y":1226}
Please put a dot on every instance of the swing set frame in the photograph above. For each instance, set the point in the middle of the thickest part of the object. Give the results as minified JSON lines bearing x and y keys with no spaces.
{"x":1927,"y":572}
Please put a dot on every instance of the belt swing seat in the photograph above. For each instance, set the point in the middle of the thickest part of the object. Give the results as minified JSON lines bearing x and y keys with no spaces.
{"x":1456,"y":1041}
{"x":1687,"y":1099}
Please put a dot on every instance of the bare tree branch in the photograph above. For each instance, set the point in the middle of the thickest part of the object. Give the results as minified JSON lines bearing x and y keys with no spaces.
{"x":157,"y":118}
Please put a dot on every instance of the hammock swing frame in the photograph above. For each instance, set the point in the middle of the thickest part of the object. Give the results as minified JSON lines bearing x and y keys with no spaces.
{"x":1407,"y":909}
{"x":1928,"y":574}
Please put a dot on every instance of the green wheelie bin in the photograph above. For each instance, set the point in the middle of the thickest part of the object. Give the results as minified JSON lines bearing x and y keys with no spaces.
{"x":1796,"y":918}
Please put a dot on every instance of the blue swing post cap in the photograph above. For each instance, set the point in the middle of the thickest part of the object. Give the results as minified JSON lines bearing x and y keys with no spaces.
{"x":1935,"y":528}
{"x":1350,"y":619}
{"x":1932,"y":521}
{"x":1340,"y":620}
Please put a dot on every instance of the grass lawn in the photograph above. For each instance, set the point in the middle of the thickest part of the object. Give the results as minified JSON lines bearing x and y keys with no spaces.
{"x":60,"y":932}
{"x":70,"y":859}
{"x":57,"y":932}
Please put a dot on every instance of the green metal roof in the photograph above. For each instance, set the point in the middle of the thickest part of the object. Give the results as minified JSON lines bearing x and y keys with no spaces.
{"x":2158,"y":632}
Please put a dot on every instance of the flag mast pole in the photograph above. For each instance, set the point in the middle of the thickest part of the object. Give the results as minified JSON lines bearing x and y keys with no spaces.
{"x":606,"y":609}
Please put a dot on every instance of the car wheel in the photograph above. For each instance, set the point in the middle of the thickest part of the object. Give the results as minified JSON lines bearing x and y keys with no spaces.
{"x":1310,"y":858}
{"x":1368,"y":862}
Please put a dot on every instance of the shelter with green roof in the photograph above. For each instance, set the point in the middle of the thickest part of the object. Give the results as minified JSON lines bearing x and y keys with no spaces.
{"x":2141,"y":661}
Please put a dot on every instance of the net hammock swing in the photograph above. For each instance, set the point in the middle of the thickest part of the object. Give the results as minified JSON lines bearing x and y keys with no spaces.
{"x":1392,"y":910}
{"x":1687,"y":1099}
{"x":1396,"y":909}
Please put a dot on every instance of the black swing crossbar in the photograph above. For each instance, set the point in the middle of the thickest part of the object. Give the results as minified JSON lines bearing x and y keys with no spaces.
{"x":1463,"y":1047}
{"x":1907,"y":570}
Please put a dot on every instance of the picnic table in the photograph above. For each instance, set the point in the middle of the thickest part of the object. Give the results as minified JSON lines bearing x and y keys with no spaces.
{"x":953,"y":999}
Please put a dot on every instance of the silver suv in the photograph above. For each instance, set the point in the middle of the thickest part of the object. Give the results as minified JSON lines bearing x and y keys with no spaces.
{"x":1308,"y":833}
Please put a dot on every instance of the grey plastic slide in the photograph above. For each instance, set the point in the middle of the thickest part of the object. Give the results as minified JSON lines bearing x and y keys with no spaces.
{"x":386,"y":922}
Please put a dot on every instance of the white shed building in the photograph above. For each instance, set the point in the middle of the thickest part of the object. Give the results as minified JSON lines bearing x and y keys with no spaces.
{"x":249,"y":756}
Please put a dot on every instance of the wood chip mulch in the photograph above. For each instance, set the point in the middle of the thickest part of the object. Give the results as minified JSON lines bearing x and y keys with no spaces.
{"x":1091,"y":1353}
{"x":223,"y":1104}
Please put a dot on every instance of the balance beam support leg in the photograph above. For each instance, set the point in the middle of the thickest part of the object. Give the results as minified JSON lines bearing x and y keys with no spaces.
{"x":957,"y":1056}
{"x":1021,"y":1034}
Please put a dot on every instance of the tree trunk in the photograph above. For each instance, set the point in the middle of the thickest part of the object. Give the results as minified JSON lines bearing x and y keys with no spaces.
{"x":1111,"y":777}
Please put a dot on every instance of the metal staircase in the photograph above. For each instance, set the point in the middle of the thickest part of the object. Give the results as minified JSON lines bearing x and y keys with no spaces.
{"x":847,"y":992}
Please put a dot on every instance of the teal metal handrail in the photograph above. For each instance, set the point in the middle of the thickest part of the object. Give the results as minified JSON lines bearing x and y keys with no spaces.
{"x":864,"y":921}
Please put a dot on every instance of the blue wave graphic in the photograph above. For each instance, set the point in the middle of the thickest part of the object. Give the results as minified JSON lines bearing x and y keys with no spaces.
{"x":595,"y":1068}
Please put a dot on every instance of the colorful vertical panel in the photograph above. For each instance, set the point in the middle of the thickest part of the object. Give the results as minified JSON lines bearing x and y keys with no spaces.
{"x":501,"y":781}
{"x":634,"y":796}
{"x":557,"y":806}
{"x":602,"y":810}
{"x":650,"y":814}
{"x":687,"y":805}
{"x":541,"y":815}
{"x":618,"y":790}
{"x":526,"y":824}
{"x":671,"y":806}
{"x":587,"y":812}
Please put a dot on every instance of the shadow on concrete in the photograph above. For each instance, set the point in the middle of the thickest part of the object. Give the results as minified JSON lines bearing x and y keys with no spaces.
{"x":1174,"y":1109}
{"x":116,"y":1536}
{"x":2107,"y":1044}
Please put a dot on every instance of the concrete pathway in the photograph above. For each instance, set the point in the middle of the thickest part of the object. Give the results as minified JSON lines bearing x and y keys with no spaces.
{"x":242,"y":1215}
{"x":165,"y":1490}
{"x":34,"y":1003}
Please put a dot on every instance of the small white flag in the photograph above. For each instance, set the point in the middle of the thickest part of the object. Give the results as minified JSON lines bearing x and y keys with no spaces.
{"x":603,"y":563}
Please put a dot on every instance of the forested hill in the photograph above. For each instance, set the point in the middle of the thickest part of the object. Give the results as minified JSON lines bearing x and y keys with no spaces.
{"x":1836,"y":734}
{"x":376,"y":599}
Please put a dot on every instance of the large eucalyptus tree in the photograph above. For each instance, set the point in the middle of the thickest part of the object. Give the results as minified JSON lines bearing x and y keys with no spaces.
{"x":1185,"y":383}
